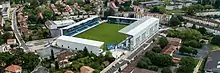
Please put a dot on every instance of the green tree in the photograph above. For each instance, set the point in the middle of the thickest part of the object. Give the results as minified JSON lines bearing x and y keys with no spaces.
{"x":163,"y":42}
{"x":202,"y":30}
{"x":158,"y":9}
{"x":216,"y":40}
{"x":166,"y":70}
{"x":156,"y":49}
{"x":87,"y":8}
{"x":174,"y":21}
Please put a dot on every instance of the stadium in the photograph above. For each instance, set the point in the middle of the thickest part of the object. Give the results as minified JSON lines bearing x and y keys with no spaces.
{"x":115,"y":33}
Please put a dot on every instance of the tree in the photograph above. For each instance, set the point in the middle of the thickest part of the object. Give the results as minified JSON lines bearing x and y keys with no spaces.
{"x":194,"y":26}
{"x":158,"y":9}
{"x":174,"y":21}
{"x":48,"y":14}
{"x":159,"y":59}
{"x":156,"y":49}
{"x":166,"y":70}
{"x":188,"y":50}
{"x":202,"y":30}
{"x":87,"y":8}
{"x":193,"y":43}
{"x":216,"y":40}
{"x":163,"y":42}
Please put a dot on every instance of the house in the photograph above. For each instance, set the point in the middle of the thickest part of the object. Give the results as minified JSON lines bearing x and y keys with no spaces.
{"x":11,"y":41}
{"x":86,"y":69}
{"x":173,"y":45}
{"x":5,"y":48}
{"x":164,"y":18}
{"x":5,"y":9}
{"x":68,"y":71}
{"x":13,"y":69}
{"x":63,"y":57}
{"x":213,"y":63}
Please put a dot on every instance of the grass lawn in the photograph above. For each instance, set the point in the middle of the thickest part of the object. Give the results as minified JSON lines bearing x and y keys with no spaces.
{"x":105,"y":32}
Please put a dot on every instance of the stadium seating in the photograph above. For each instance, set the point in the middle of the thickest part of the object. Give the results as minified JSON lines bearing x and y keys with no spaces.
{"x":81,"y":27}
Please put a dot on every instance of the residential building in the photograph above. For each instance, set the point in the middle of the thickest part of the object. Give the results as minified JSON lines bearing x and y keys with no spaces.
{"x":63,"y":57}
{"x":13,"y":69}
{"x":5,"y":9}
{"x":213,"y":62}
{"x":173,"y":45}
{"x":86,"y":69}
{"x":11,"y":42}
{"x":164,"y":18}
{"x":5,"y":48}
{"x":73,"y":43}
{"x":151,"y":3}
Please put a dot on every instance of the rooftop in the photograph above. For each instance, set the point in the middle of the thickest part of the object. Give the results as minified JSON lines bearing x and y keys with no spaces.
{"x":138,"y":70}
{"x":80,"y":40}
{"x":13,"y":68}
{"x":86,"y":69}
{"x":138,"y":26}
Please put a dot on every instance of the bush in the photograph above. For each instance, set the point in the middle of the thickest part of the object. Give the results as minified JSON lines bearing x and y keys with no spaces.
{"x":193,"y":43}
{"x":166,"y":70}
{"x":154,"y":68}
{"x":216,"y":40}
{"x":163,"y":42}
{"x":156,"y":49}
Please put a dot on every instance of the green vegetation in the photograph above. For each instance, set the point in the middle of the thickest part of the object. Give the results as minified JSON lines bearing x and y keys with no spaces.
{"x":215,"y":48}
{"x":163,"y":42}
{"x":190,"y":10}
{"x":166,"y":70}
{"x":105,"y":32}
{"x":187,"y":65}
{"x":27,"y":61}
{"x":216,"y":40}
{"x":174,"y":21}
{"x":153,"y":61}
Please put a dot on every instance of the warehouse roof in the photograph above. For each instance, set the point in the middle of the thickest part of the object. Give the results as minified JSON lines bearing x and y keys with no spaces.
{"x":80,"y":40}
{"x":139,"y":25}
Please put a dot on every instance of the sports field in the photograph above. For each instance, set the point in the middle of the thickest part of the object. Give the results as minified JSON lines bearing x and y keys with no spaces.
{"x":104,"y":32}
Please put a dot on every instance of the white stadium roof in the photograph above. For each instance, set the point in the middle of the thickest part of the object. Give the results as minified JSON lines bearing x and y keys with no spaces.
{"x":80,"y":22}
{"x":81,"y":41}
{"x":139,"y":25}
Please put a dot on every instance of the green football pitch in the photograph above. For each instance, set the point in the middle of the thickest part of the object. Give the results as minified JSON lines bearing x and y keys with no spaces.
{"x":105,"y":32}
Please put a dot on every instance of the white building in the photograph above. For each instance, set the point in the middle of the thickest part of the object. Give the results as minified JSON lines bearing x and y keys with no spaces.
{"x":141,"y":30}
{"x":5,"y":9}
{"x":54,"y":26}
{"x":74,"y":43}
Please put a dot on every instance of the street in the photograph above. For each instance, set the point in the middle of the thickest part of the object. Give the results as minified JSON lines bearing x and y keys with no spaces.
{"x":16,"y":31}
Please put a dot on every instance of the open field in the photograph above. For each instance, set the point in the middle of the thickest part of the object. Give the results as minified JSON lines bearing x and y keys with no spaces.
{"x":105,"y":32}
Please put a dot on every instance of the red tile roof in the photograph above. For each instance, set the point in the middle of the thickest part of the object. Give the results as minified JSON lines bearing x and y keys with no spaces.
{"x":13,"y":68}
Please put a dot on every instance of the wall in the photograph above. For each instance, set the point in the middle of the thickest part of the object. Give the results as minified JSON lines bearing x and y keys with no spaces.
{"x":77,"y":46}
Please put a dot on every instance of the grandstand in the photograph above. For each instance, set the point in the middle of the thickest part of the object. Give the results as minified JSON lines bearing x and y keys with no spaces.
{"x":121,"y":20}
{"x":80,"y":27}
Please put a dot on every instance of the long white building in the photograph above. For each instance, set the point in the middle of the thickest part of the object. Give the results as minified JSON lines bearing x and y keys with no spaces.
{"x":74,"y":43}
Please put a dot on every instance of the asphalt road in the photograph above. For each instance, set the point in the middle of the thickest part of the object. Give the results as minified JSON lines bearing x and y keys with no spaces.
{"x":17,"y":32}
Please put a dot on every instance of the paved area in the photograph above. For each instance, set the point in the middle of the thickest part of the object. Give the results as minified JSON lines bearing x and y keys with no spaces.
{"x":39,"y":44}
